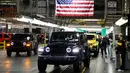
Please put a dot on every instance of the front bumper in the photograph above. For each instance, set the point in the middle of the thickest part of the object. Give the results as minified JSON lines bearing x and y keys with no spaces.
{"x":61,"y":60}
{"x":93,"y":50}
{"x":18,"y":49}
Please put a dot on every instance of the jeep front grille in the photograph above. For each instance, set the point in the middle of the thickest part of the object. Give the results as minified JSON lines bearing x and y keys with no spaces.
{"x":58,"y":51}
{"x":17,"y":44}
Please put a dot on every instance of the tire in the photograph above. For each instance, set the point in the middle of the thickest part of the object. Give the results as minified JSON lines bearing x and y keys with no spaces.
{"x":87,"y":62}
{"x":77,"y":66}
{"x":9,"y":53}
{"x":35,"y":51}
{"x":29,"y":53}
{"x":41,"y":66}
{"x":96,"y":53}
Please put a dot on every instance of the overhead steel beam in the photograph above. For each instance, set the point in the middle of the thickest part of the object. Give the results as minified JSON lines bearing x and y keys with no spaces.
{"x":114,"y":12}
{"x":114,"y":15}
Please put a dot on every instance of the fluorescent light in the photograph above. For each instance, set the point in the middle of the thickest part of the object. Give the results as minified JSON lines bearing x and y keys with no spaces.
{"x":35,"y":21}
{"x":89,"y":19}
{"x":41,"y":16}
{"x":121,"y":21}
{"x":126,"y":31}
{"x":67,"y":28}
{"x":92,"y":29}
{"x":23,"y":19}
{"x":38,"y":22}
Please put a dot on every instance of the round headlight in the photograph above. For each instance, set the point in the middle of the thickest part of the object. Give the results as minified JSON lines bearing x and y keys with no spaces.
{"x":40,"y":49}
{"x":12,"y":43}
{"x":76,"y":50}
{"x":68,"y":50}
{"x":47,"y":49}
{"x":24,"y":43}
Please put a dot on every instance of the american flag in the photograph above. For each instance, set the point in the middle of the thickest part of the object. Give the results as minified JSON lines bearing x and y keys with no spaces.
{"x":75,"y":8}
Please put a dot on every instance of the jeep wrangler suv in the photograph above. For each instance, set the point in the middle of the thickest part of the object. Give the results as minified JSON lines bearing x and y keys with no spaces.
{"x":64,"y":48}
{"x":23,"y":42}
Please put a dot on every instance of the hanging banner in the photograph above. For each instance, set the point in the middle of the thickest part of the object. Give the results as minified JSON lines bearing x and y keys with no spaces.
{"x":75,"y":8}
{"x":104,"y":32}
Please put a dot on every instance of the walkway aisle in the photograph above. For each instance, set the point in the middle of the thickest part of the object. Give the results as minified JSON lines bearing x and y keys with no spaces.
{"x":110,"y":67}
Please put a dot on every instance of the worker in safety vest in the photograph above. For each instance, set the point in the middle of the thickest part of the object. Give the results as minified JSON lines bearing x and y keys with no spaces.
{"x":121,"y":49}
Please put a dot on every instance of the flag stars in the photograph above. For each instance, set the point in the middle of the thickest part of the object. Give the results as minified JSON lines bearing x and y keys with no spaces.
{"x":64,"y":1}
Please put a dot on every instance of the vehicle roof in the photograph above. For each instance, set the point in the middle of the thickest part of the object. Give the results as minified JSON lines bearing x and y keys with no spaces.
{"x":66,"y":32}
{"x":91,"y":34}
{"x":21,"y":33}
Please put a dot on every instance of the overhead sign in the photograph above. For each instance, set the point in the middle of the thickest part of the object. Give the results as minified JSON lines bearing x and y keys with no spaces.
{"x":8,"y":9}
{"x":112,"y":4}
{"x":81,"y":30}
{"x":104,"y":30}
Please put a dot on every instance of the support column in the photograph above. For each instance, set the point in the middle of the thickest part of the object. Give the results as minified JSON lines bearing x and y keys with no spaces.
{"x":128,"y":27}
{"x":129,"y":22}
{"x":6,"y":30}
{"x":18,"y":6}
{"x":47,"y":8}
{"x":50,"y":29}
{"x":114,"y":42}
{"x":30,"y":27}
{"x":31,"y":8}
{"x":106,"y":6}
{"x":31,"y":12}
{"x":37,"y":6}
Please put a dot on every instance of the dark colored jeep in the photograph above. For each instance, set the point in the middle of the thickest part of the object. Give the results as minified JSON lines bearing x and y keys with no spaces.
{"x":64,"y":48}
{"x":24,"y":42}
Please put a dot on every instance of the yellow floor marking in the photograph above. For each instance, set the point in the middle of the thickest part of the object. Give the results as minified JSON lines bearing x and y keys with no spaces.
{"x":84,"y":70}
{"x":64,"y":69}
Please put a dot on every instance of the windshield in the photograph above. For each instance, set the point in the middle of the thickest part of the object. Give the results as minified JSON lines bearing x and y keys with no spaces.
{"x":64,"y":37}
{"x":5,"y":36}
{"x":90,"y":37}
{"x":20,"y":36}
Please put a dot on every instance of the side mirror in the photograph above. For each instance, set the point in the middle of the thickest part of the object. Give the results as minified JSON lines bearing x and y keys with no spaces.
{"x":96,"y":39}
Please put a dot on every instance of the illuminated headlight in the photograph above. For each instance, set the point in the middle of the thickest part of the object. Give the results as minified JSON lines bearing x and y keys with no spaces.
{"x":68,"y":50}
{"x":24,"y":43}
{"x":76,"y":50}
{"x":47,"y":49}
{"x":12,"y":43}
{"x":40,"y":49}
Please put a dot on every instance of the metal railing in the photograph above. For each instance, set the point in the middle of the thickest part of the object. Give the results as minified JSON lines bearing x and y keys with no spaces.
{"x":44,"y":44}
{"x":3,"y":45}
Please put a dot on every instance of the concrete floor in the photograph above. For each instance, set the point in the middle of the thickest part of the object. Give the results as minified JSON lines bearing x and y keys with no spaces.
{"x":24,"y":64}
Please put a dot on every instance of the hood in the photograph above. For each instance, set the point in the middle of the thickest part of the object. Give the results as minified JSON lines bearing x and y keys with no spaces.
{"x":60,"y":44}
{"x":91,"y":41}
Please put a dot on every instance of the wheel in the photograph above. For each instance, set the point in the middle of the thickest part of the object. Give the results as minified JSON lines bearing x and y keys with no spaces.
{"x":96,"y":53}
{"x":29,"y":53}
{"x":35,"y":51}
{"x":77,"y":66}
{"x":42,"y":66}
{"x":9,"y":53}
{"x":87,"y":62}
